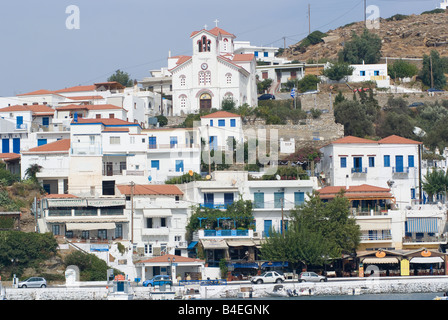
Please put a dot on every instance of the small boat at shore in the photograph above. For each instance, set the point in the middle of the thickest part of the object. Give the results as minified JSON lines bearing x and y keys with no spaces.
{"x":278,"y":291}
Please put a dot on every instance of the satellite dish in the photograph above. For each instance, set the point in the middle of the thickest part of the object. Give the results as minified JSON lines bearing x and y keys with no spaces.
{"x":277,"y":177}
{"x":208,"y":177}
{"x":190,"y":172}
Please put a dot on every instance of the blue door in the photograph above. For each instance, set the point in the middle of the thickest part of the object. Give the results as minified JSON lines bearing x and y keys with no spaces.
{"x":19,"y":122}
{"x":398,"y":163}
{"x":357,"y":164}
{"x":209,"y":199}
{"x":228,"y":199}
{"x":267,"y":227}
{"x":16,"y":145}
{"x":5,"y":145}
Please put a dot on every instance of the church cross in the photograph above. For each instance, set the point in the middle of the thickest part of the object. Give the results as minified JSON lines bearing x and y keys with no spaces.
{"x":216,"y":21}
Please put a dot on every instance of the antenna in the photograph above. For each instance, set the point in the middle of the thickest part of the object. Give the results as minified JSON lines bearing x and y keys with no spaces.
{"x":309,"y":18}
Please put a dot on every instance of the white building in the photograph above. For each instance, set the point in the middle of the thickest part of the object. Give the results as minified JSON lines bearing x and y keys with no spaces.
{"x":214,"y":72}
{"x":392,"y":162}
{"x":218,"y":129}
{"x":264,"y":54}
{"x":370,"y":72}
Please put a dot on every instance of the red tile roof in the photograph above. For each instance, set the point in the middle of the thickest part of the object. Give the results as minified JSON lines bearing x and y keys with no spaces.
{"x":57,"y":146}
{"x":243,"y":57}
{"x":215,"y":31}
{"x":156,"y":189}
{"x":106,"y":122}
{"x":88,"y":107}
{"x":9,"y":156}
{"x":59,"y":196}
{"x":37,"y":92}
{"x":85,"y":98}
{"x":222,"y":114}
{"x":77,"y":89}
{"x":35,"y":108}
{"x":363,"y":191}
{"x":394,"y":139}
{"x":164,"y":258}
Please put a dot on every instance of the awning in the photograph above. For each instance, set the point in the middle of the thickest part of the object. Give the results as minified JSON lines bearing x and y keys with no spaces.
{"x":72,"y":202}
{"x":214,"y":244}
{"x":192,"y":245}
{"x":374,"y":224}
{"x":246,"y":265}
{"x":106,"y":202}
{"x":274,"y":264}
{"x":151,"y":213}
{"x":240,"y":243}
{"x":424,"y":225}
{"x":373,"y":260}
{"x":426,"y":260}
{"x":89,"y":226}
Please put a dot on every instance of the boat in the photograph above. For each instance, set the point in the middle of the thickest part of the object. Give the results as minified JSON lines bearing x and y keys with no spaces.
{"x":191,"y":292}
{"x":444,"y":297}
{"x":278,"y":291}
{"x":162,"y":293}
{"x":245,"y":292}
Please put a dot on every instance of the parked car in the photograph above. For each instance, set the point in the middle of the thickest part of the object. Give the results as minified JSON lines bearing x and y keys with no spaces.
{"x":158,"y":281}
{"x":33,"y":282}
{"x":416,"y":104}
{"x":268,"y":277}
{"x":435,"y":90}
{"x":311,"y":277}
{"x":266,"y":96}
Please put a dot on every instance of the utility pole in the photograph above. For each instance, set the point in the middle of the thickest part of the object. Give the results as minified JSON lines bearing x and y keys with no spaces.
{"x":283,"y":221}
{"x":132,"y":212}
{"x":309,"y":18}
{"x":365,"y":14}
{"x":284,"y":42}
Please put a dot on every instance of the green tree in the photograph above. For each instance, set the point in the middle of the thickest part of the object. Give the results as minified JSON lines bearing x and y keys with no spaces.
{"x":402,"y":69}
{"x":338,"y":71}
{"x":354,"y":117}
{"x":122,"y":78}
{"x":162,"y":120}
{"x":362,"y":49}
{"x":432,"y":73}
{"x":435,"y":182}
{"x":307,"y":83}
{"x":90,"y":266}
{"x":32,"y":171}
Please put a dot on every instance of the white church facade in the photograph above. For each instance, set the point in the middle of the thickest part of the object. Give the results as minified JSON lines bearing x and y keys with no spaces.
{"x":213,"y":73}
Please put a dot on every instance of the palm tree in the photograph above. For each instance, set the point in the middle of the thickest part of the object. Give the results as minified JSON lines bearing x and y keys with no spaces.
{"x":435,"y":182}
{"x":32,"y":171}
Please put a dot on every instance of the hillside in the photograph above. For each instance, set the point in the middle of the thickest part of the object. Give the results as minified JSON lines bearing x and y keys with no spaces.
{"x":403,"y":37}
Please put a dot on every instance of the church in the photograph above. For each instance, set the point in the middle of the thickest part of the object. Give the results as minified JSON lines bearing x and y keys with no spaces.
{"x":213,"y":73}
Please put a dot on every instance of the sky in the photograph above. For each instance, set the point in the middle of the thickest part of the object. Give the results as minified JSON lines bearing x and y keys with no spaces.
{"x":49,"y":45}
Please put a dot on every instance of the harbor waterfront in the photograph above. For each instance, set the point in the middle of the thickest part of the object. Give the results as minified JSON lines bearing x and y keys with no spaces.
{"x":333,"y":289}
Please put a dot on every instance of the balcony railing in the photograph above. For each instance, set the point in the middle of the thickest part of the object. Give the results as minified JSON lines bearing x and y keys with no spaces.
{"x":214,"y":205}
{"x":225,"y":233}
{"x":376,"y":237}
{"x":359,"y":170}
{"x":403,"y":170}
{"x":425,"y":238}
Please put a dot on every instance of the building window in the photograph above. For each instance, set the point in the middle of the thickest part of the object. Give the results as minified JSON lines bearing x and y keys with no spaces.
{"x":299,"y":198}
{"x":182,"y":81}
{"x":148,"y":248}
{"x":371,"y":162}
{"x":211,"y":123}
{"x":183,"y":101}
{"x":256,"y":53}
{"x":179,"y":165}
{"x":152,"y":142}
{"x":362,"y":73}
{"x":221,"y":123}
{"x":155,"y":164}
{"x":208,"y":77}
{"x":204,"y":44}
{"x":386,"y":161}
{"x":259,"y":200}
{"x":279,"y":199}
{"x":201,"y":77}
{"x":411,"y":161}
{"x":343,"y":162}
{"x":376,"y":73}
{"x":233,"y":122}
{"x":114,"y":140}
{"x":173,"y":142}
{"x":229,"y":78}
{"x":412,"y":193}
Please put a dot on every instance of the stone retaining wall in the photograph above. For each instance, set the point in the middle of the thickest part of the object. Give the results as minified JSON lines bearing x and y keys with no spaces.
{"x":352,"y":285}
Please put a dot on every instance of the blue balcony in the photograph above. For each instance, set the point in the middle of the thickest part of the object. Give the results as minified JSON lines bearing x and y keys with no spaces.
{"x":214,"y":205}
{"x":225,"y":233}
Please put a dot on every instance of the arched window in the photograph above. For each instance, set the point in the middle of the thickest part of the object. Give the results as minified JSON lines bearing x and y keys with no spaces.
{"x":201,"y":77}
{"x":182,"y":80}
{"x":228,"y":78}
{"x":208,"y":77}
{"x":204,"y":44}
{"x":183,"y":101}
{"x":225,"y":44}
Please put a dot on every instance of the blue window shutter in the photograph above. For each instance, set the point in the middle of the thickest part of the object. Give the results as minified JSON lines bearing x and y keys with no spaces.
{"x":343,"y":162}
{"x":232,"y":122}
{"x":386,"y":161}
{"x":410,"y":161}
